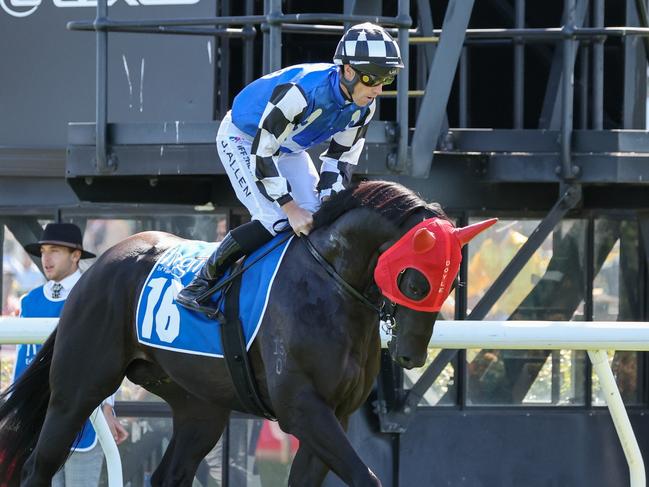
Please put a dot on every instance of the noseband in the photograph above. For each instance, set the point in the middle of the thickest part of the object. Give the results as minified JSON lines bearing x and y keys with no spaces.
{"x":385,"y":313}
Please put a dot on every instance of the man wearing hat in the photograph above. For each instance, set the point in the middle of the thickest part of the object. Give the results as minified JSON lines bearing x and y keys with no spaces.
{"x":60,"y":249}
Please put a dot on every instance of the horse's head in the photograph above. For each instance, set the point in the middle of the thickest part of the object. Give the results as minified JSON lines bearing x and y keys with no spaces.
{"x":420,"y":254}
{"x":416,"y":274}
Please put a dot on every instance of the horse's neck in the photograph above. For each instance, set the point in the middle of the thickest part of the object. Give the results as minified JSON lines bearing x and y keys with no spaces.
{"x":352,"y":242}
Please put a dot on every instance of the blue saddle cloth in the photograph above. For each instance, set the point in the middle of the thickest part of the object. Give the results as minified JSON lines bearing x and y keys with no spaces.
{"x":161,"y":323}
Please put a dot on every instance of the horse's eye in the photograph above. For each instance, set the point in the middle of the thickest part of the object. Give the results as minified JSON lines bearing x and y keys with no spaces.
{"x":414,"y":284}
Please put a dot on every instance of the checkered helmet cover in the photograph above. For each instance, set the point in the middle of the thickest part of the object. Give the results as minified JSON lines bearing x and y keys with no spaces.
{"x":370,"y":45}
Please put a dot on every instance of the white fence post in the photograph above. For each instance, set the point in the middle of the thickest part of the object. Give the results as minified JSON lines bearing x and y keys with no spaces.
{"x":599,"y":359}
{"x":107,"y":442}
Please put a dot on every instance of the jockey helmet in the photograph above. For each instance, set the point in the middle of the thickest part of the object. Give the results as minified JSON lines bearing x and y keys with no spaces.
{"x":371,"y":52}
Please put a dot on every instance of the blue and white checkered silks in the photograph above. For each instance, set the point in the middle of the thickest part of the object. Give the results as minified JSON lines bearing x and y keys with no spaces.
{"x":368,"y":44}
{"x":287,"y":112}
{"x":161,"y":323}
{"x":283,"y":110}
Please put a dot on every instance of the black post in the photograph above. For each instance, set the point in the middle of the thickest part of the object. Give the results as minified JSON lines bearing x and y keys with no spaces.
{"x":567,"y":91}
{"x":588,"y":304}
{"x":464,"y":88}
{"x":101,"y":110}
{"x":583,"y":87}
{"x":349,"y":8}
{"x":266,"y":41}
{"x":224,"y":68}
{"x":598,"y":68}
{"x":403,"y":82}
{"x":275,"y":36}
{"x":248,"y":47}
{"x":635,"y":71}
{"x":519,"y":68}
{"x":461,"y":304}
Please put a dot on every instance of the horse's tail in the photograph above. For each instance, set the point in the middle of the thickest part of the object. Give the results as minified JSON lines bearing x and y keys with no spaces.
{"x":22,"y":412}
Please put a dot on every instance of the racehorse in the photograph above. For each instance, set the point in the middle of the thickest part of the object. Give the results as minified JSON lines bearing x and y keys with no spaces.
{"x":330,"y":337}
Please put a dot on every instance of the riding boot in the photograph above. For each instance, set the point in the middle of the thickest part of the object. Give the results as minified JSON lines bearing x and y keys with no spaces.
{"x":239,"y":242}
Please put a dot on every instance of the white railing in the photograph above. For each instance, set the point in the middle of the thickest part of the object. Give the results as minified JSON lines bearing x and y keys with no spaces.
{"x":595,"y":337}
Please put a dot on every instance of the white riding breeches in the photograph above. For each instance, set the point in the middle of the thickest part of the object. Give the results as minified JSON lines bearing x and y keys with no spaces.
{"x":234,"y":147}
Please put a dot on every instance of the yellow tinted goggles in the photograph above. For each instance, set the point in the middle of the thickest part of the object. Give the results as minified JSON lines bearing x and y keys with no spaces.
{"x":374,"y":80}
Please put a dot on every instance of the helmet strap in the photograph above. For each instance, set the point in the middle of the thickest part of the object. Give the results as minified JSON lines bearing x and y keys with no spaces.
{"x":348,"y":84}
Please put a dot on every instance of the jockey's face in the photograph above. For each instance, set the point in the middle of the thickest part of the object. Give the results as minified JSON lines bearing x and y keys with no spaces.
{"x":363,"y":95}
{"x":59,"y":261}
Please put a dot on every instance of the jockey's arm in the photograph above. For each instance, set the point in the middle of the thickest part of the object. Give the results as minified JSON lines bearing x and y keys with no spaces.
{"x":342,"y":155}
{"x":284,"y":109}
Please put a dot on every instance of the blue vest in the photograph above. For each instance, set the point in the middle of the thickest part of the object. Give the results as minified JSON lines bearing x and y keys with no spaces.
{"x":36,"y":305}
{"x":327,"y":111}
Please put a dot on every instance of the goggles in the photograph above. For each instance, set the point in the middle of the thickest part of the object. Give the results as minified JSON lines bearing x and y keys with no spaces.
{"x":373,"y":79}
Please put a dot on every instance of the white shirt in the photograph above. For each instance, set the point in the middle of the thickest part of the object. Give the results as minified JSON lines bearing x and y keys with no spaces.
{"x":67,"y":283}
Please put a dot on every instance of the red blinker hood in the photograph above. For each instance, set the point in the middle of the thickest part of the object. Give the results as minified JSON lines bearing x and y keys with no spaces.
{"x":433,"y":247}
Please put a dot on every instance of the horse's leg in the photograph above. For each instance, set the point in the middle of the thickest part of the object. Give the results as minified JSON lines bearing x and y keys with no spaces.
{"x":314,"y":423}
{"x":65,"y":417}
{"x":83,"y":373}
{"x":307,"y":469}
{"x":192,"y":440}
{"x":197,"y":426}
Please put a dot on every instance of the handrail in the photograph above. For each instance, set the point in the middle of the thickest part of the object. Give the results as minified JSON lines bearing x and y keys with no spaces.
{"x":450,"y":334}
{"x":107,"y":24}
{"x":296,"y":25}
{"x":424,"y":140}
{"x":594,"y":337}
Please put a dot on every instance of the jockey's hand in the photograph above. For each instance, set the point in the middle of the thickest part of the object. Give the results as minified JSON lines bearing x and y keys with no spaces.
{"x":301,"y":220}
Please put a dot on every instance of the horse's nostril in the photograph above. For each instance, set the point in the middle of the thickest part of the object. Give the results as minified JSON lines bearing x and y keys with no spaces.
{"x":405,"y":361}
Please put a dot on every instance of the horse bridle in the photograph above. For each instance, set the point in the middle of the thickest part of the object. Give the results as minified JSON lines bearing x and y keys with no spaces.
{"x":385,"y":313}
{"x":387,"y":309}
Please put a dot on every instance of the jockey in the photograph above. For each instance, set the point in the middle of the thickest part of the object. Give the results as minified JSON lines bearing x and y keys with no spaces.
{"x":262,"y":143}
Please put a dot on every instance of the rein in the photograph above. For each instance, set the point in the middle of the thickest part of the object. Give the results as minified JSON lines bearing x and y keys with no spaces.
{"x":383,"y":314}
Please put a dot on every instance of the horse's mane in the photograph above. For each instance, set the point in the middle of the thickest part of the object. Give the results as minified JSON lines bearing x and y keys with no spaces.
{"x":391,"y":200}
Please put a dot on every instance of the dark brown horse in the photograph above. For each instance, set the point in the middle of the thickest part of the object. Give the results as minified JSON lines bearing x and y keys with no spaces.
{"x":331,"y":343}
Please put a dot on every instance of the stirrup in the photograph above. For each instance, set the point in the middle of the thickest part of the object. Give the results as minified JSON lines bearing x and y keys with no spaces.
{"x":205,"y":295}
{"x":194,"y":305}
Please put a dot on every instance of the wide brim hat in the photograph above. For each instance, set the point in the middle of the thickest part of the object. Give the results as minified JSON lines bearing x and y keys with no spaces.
{"x":63,"y":234}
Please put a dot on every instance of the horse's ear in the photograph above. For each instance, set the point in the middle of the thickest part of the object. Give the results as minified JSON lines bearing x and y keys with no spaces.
{"x":423,"y":241}
{"x":465,"y":234}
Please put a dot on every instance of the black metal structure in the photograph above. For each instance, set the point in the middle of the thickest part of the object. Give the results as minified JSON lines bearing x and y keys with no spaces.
{"x":508,"y":108}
